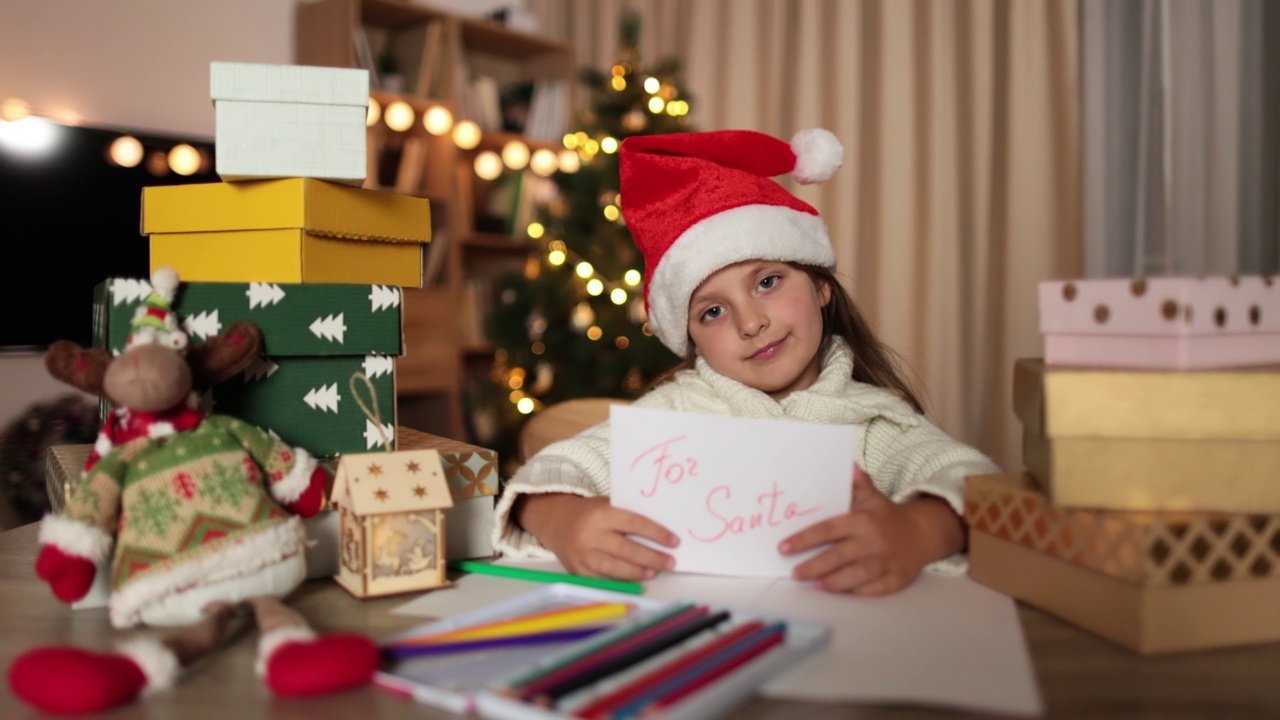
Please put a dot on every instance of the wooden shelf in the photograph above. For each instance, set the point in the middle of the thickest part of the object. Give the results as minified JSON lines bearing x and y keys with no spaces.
{"x":498,"y":242}
{"x":444,"y":346}
{"x":397,"y":13}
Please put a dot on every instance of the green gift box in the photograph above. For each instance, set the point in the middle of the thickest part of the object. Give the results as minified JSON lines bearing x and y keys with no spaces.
{"x":316,"y":336}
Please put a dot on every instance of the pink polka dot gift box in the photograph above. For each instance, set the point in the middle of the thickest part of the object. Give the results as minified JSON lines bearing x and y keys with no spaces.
{"x":1161,"y":323}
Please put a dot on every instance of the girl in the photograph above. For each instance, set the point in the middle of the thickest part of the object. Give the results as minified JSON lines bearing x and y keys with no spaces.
{"x":739,"y":283}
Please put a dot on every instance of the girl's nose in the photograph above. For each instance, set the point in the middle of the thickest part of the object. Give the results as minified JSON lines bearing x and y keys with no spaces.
{"x":751,"y":321}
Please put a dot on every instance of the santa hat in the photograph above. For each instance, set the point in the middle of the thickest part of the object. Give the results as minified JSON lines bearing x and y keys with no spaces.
{"x":155,"y":320}
{"x":697,"y":202}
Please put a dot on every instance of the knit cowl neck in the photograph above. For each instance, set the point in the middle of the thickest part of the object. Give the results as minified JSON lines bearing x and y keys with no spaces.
{"x":834,"y":398}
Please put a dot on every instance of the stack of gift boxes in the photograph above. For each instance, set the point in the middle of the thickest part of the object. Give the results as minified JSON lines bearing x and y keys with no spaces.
{"x":1150,"y":509}
{"x":290,"y":241}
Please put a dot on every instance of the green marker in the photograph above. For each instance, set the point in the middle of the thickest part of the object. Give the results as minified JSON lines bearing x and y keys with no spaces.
{"x":622,"y":586}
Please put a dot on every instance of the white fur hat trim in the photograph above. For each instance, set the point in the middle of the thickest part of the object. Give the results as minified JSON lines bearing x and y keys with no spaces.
{"x":75,"y":538}
{"x":289,"y":488}
{"x":158,"y":663}
{"x":748,"y":232}
{"x":274,"y":640}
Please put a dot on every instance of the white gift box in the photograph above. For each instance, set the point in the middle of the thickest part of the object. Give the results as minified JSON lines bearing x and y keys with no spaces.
{"x":278,"y":121}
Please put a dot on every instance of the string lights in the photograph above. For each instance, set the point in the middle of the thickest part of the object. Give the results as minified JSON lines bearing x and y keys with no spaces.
{"x":35,"y":133}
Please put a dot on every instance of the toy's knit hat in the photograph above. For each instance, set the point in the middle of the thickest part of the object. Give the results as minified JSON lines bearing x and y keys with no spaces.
{"x":697,"y":202}
{"x":155,"y":321}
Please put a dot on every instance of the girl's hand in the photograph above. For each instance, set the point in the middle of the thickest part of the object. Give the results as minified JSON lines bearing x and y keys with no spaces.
{"x":880,"y":546}
{"x":589,"y":536}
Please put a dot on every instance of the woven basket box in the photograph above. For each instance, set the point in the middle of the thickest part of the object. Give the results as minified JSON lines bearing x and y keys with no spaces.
{"x":1152,"y":582}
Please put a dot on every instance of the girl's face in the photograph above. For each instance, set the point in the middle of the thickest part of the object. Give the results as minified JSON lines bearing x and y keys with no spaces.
{"x":760,"y":322}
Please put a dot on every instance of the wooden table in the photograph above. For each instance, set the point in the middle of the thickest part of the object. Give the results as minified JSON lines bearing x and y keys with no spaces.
{"x":1080,"y":675}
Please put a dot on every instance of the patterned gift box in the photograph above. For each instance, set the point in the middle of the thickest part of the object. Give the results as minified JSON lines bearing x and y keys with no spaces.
{"x":472,"y":474}
{"x":316,"y":337}
{"x":1151,"y":439}
{"x":1153,"y":582}
{"x":275,"y":121}
{"x":1173,"y":323}
{"x":288,"y":231}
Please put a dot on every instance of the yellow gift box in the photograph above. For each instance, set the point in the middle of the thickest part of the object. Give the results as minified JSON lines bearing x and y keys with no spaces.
{"x":294,"y":230}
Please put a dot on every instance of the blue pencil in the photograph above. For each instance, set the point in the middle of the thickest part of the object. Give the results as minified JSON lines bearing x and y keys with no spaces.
{"x":402,"y":652}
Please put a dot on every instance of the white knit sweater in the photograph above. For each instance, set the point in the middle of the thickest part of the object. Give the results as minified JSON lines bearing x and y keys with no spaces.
{"x":905,"y":455}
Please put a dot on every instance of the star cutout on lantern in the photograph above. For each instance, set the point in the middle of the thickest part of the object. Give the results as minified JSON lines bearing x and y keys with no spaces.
{"x":419,"y":491}
{"x":413,"y":466}
{"x":375,"y":469}
{"x":381,"y":494}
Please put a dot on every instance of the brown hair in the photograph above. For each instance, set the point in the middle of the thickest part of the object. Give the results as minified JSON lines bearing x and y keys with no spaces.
{"x":874,"y":362}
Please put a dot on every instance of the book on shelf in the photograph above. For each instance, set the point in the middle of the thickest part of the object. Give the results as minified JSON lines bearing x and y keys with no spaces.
{"x":427,"y":82}
{"x":488,"y":103}
{"x":364,"y":53}
{"x":474,"y":311}
{"x":548,"y":111}
{"x":413,"y":165}
{"x":436,"y":254}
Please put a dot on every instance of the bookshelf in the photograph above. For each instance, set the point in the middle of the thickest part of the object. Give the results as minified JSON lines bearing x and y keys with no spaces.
{"x":457,"y":63}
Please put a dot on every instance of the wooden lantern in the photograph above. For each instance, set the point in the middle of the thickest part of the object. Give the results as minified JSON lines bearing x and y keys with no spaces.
{"x":391,"y":507}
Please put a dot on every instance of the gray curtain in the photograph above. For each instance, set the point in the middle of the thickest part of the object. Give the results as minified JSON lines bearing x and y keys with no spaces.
{"x":1180,"y":154}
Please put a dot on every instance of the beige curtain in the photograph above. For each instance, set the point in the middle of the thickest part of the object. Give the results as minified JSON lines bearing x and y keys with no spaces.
{"x":961,"y":184}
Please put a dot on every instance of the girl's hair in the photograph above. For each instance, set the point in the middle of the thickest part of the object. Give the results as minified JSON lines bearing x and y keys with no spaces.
{"x":874,"y":362}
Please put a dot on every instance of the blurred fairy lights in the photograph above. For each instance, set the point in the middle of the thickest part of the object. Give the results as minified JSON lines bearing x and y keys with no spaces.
{"x":35,"y":133}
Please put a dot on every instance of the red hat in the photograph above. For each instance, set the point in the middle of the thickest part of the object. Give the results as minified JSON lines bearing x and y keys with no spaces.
{"x":697,"y":202}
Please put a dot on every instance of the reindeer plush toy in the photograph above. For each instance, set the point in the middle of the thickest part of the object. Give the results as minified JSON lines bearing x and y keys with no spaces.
{"x":199,"y":515}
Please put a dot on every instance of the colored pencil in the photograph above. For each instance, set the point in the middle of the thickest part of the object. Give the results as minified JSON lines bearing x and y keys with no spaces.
{"x":403,"y":652}
{"x":612,"y":641}
{"x":625,"y":660}
{"x":623,"y":586}
{"x":558,"y":619}
{"x":640,"y":685}
{"x":608,"y":648}
{"x":711,"y":670}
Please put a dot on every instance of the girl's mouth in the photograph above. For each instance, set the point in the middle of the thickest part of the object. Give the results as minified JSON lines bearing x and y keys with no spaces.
{"x":768,"y":351}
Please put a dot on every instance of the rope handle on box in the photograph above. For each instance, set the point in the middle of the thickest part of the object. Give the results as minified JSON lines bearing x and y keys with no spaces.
{"x":373,"y":415}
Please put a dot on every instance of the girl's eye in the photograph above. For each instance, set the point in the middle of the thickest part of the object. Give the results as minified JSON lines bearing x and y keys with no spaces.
{"x":712,"y":313}
{"x":768,"y":282}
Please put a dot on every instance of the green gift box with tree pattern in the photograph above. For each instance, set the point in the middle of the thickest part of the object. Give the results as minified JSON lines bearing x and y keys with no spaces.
{"x":315,"y":336}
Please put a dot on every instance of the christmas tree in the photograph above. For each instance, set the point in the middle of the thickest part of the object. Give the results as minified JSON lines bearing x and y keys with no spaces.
{"x":573,"y":323}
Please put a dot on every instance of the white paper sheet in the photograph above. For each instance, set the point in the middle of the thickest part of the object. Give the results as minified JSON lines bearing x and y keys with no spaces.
{"x":731,"y":488}
{"x":942,"y":641}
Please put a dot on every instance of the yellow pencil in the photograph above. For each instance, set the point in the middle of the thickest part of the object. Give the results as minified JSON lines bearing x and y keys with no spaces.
{"x":525,"y":624}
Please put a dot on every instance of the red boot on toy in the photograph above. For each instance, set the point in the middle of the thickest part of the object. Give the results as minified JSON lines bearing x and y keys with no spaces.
{"x":68,"y":680}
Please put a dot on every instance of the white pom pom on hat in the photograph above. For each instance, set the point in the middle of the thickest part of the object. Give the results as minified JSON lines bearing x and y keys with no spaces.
{"x":698,"y":202}
{"x":819,"y":154}
{"x":165,"y":280}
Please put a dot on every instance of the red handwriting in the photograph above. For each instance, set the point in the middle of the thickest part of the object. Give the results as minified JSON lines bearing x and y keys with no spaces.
{"x":766,"y":516}
{"x":664,"y":467}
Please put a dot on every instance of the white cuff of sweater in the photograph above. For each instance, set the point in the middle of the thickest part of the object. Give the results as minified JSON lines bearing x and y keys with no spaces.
{"x":947,"y":486}
{"x":560,"y":476}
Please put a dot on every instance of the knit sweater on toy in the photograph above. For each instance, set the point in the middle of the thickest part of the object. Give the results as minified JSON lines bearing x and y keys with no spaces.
{"x":187,"y":509}
{"x":905,"y":455}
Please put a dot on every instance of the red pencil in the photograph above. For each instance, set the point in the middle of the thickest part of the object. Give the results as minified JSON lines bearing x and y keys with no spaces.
{"x":536,"y":685}
{"x":601,"y":706}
